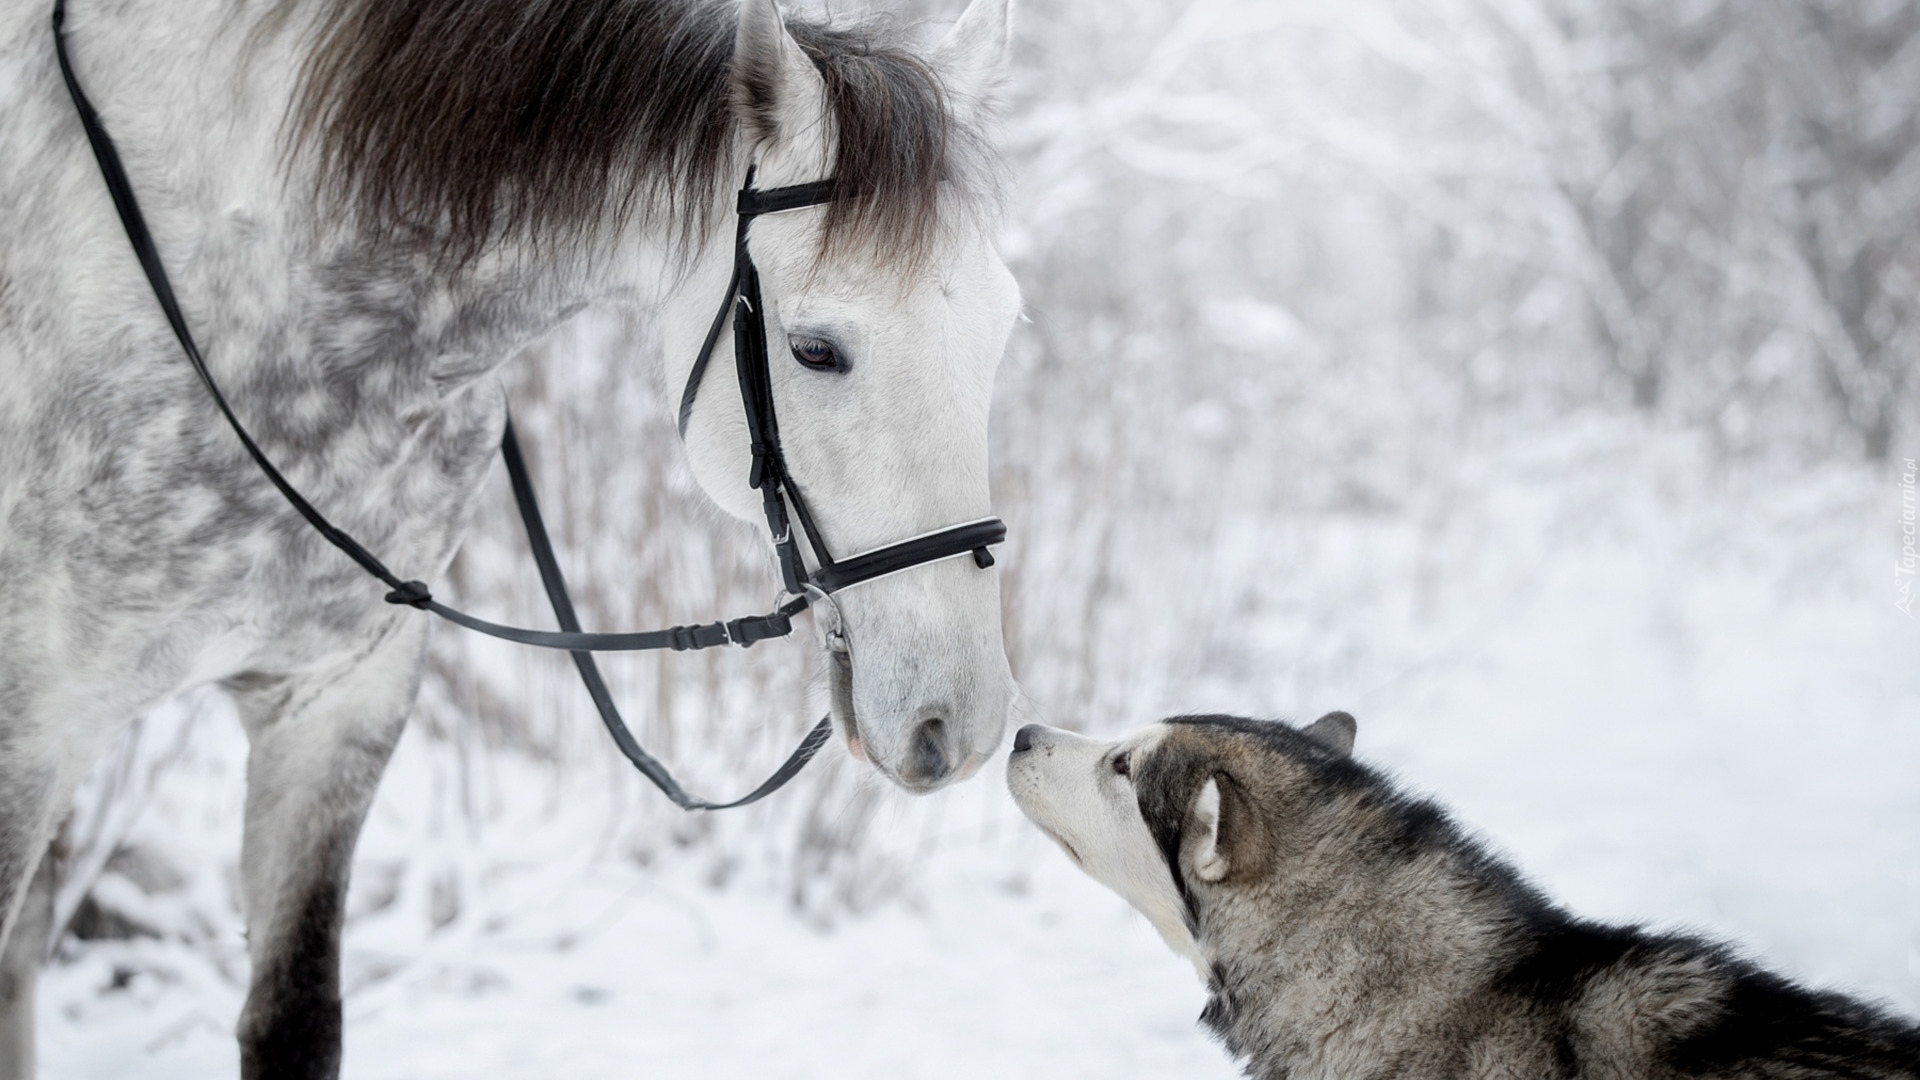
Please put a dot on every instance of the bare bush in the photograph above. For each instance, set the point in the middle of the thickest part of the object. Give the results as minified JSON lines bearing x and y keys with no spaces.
{"x":1284,"y":264}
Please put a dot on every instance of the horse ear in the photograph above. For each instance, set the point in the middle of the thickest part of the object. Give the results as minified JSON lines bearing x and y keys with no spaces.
{"x":973,"y":57}
{"x":776,"y":91}
{"x":1333,"y":731}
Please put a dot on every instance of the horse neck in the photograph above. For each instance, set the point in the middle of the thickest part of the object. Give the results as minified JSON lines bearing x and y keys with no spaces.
{"x":282,"y":301}
{"x":439,"y":330}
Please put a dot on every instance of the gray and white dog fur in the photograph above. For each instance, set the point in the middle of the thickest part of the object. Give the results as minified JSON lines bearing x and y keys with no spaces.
{"x":1346,"y":930}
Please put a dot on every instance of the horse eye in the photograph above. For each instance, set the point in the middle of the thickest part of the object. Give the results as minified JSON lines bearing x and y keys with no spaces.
{"x":817,"y":354}
{"x":1123,"y":765}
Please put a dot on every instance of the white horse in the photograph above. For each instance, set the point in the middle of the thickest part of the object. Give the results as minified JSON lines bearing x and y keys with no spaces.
{"x":367,"y":207}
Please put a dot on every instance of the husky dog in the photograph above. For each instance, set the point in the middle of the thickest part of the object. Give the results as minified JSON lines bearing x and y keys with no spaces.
{"x":1346,"y":930}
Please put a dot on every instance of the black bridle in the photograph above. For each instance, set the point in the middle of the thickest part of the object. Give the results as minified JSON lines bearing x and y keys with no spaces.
{"x":769,"y":475}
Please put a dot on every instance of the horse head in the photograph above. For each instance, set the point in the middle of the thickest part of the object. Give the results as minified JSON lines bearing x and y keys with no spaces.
{"x":885,"y":322}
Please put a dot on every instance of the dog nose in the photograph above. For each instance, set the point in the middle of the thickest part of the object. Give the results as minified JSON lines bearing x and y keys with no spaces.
{"x":1023,"y":739}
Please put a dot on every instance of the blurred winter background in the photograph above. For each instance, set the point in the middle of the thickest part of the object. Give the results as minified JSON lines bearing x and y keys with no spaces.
{"x":1532,"y":378}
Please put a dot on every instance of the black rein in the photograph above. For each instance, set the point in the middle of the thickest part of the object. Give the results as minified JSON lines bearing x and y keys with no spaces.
{"x":770,"y":476}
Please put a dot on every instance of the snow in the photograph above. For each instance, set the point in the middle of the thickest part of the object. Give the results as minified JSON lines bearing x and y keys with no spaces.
{"x":1670,"y":692}
{"x":585,"y":965}
{"x":1321,"y":406}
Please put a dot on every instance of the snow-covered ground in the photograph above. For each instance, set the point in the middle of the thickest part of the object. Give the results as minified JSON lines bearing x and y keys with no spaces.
{"x":1672,"y":692}
{"x":999,"y":960}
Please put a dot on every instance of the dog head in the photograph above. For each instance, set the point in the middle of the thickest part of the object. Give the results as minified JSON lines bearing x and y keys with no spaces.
{"x":1178,"y":814}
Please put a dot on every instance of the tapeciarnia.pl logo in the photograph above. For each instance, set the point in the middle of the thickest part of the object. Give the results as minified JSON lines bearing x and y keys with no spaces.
{"x":1903,"y":569}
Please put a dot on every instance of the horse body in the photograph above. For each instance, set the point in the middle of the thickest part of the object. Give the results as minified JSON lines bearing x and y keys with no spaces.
{"x":141,"y":552}
{"x":137,"y":534}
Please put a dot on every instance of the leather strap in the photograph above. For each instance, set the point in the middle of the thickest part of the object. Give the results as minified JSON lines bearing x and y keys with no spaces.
{"x":769,"y":476}
{"x":699,"y":373}
{"x":753,"y":201}
{"x":556,"y":586}
{"x":781,"y":499}
{"x":972,"y":537}
{"x":743,"y":631}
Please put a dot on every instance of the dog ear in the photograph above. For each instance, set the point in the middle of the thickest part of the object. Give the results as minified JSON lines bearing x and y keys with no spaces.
{"x":777,"y":92}
{"x":1203,"y":824}
{"x":1222,"y":836}
{"x":1333,"y":731}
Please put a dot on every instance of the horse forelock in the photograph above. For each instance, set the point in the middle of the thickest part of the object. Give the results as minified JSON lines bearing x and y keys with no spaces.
{"x":447,"y":125}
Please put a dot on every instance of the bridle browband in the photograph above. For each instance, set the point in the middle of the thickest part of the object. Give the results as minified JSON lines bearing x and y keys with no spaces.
{"x":769,"y":475}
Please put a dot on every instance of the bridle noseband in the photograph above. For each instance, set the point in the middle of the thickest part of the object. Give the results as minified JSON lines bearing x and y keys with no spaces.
{"x":769,"y":475}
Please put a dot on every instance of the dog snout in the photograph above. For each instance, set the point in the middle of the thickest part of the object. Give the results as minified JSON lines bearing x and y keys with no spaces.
{"x":1041,"y":740}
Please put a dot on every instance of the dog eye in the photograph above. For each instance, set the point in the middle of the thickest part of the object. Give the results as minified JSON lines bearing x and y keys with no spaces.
{"x":1122,"y":765}
{"x":817,"y":354}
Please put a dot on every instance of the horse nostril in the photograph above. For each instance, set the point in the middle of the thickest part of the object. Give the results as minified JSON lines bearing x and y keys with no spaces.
{"x":930,"y":757}
{"x":1023,"y":739}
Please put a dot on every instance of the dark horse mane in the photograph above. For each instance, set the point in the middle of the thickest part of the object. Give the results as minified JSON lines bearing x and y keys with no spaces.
{"x":449,"y":124}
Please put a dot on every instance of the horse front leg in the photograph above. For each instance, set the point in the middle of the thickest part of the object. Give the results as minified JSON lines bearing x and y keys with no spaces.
{"x":26,"y":947}
{"x":37,"y":768}
{"x":319,"y":742}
